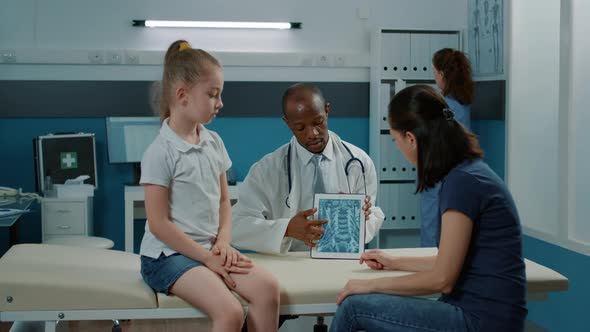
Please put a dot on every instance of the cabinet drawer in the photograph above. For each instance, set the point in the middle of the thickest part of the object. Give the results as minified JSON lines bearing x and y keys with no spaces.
{"x":65,"y":218}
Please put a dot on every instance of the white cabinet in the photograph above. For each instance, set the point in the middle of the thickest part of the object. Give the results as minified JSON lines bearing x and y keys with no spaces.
{"x":395,"y":55}
{"x":421,"y":58}
{"x":66,"y":216}
{"x":399,"y":58}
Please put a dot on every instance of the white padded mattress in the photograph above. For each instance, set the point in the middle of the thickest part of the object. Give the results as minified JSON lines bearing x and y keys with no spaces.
{"x":50,"y":277}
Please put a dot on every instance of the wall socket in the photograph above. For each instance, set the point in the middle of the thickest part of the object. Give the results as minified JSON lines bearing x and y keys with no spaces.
{"x":323,"y":60}
{"x":131,"y":58}
{"x":96,"y":57}
{"x":7,"y":56}
{"x":114,"y":57}
{"x":339,"y":60}
{"x":307,"y":60}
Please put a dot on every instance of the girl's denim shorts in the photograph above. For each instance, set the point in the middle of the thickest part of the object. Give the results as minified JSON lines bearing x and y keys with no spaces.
{"x":162,"y":272}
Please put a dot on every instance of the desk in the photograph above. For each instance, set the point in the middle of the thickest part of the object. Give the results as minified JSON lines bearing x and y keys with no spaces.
{"x":135,"y":209}
{"x":21,"y":203}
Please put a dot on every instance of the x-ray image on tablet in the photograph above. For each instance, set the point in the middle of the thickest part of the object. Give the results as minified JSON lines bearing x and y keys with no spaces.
{"x":344,"y":233}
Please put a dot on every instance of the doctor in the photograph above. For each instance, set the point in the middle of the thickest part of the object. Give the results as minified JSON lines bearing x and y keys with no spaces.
{"x":275,"y":205}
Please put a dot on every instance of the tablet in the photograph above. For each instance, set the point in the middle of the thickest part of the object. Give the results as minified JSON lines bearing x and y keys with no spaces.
{"x":344,"y":233}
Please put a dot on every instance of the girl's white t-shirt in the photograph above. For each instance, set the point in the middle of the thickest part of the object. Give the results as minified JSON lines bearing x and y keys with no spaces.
{"x":191,"y":172}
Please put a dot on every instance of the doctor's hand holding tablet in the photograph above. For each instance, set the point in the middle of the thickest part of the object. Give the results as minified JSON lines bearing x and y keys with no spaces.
{"x":311,"y":230}
{"x":304,"y":229}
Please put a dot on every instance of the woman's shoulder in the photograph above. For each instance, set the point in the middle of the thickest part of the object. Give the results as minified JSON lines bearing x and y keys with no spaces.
{"x":473,"y":173}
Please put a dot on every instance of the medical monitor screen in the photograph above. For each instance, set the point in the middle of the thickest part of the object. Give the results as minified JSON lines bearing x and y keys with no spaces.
{"x":129,"y":137}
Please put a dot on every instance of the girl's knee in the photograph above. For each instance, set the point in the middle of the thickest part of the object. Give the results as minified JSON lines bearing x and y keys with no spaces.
{"x":267,"y":289}
{"x":272,"y":283}
{"x":231,"y":315}
{"x":235,"y":313}
{"x":235,"y":310}
{"x":227,"y":307}
{"x":269,"y":297}
{"x":271,"y":287}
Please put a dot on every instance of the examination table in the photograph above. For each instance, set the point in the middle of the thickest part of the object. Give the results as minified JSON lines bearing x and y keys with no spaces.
{"x":49,"y":283}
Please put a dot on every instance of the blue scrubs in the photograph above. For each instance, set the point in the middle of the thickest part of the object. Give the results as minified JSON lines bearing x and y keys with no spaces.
{"x":429,"y":202}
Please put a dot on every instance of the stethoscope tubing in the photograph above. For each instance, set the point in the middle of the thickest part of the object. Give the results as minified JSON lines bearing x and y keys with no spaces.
{"x":346,"y":167}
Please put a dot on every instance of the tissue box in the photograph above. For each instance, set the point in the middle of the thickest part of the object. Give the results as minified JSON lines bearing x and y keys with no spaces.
{"x":73,"y":190}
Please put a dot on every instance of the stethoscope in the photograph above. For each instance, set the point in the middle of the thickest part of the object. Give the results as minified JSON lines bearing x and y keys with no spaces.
{"x":348,"y":163}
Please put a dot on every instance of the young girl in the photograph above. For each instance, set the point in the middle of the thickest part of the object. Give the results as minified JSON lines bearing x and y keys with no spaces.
{"x":479,"y":268}
{"x":186,"y":248}
{"x":452,"y":74}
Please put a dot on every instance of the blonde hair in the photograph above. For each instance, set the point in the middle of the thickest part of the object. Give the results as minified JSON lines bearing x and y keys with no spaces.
{"x":185,"y":64}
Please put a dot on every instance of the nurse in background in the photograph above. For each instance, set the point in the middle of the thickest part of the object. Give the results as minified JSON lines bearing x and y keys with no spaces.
{"x":452,"y":73}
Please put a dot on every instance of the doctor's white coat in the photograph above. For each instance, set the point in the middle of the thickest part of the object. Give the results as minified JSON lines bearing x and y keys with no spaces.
{"x":261,"y":215}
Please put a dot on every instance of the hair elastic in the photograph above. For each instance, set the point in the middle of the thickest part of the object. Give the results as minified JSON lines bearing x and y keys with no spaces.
{"x":184,"y":46}
{"x":448,"y":114}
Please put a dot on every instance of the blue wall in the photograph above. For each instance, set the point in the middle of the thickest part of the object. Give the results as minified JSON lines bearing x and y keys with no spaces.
{"x":564,"y":311}
{"x":492,"y":139}
{"x":246,"y":139}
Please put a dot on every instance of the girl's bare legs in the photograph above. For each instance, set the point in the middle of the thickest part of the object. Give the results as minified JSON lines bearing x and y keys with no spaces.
{"x":205,"y":290}
{"x":261,"y":290}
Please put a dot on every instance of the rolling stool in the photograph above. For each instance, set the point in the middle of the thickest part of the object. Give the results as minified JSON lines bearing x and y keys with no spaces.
{"x":82,"y":241}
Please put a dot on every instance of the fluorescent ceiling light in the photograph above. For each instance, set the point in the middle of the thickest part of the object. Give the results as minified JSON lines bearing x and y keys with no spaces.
{"x":213,"y":24}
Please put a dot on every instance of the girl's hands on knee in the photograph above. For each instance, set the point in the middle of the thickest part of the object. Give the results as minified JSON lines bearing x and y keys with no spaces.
{"x":224,"y":250}
{"x":216,"y":264}
{"x":230,"y":256}
{"x":242,"y":263}
{"x":225,"y":259}
{"x":377,"y":260}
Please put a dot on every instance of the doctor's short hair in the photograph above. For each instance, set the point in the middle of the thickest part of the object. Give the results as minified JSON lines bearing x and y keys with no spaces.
{"x":442,"y":141}
{"x":294,"y":90}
